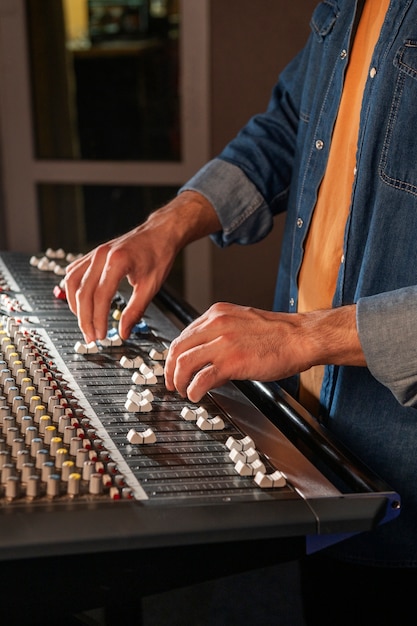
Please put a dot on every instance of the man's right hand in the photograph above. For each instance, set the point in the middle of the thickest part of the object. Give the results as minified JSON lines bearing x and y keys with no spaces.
{"x":144,"y":255}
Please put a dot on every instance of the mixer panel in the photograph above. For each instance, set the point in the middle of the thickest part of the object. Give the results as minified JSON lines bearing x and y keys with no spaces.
{"x":90,"y":437}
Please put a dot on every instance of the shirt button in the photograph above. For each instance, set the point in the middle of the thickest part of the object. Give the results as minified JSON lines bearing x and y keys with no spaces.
{"x":291,"y":301}
{"x":355,"y":170}
{"x":343,"y":54}
{"x":319,"y":144}
{"x":372,"y":73}
{"x":299,"y":222}
{"x":342,"y":258}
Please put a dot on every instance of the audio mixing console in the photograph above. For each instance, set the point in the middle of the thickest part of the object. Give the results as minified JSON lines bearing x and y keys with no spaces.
{"x":97,"y":455}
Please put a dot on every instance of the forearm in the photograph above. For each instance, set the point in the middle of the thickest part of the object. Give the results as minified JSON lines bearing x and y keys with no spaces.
{"x":187,"y":218}
{"x":331,"y":337}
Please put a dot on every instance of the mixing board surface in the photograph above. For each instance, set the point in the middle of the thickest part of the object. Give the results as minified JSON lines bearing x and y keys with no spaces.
{"x":96,"y":454}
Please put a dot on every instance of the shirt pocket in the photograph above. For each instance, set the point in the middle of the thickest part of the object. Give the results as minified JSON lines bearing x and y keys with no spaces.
{"x":324,"y":18}
{"x":398,"y":165}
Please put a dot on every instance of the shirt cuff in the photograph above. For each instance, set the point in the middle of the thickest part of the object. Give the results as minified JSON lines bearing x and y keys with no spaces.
{"x":243,"y":213}
{"x":387,"y":327}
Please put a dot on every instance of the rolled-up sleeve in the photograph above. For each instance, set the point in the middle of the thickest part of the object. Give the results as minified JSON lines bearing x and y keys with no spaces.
{"x":387,"y":326}
{"x":244,"y":215}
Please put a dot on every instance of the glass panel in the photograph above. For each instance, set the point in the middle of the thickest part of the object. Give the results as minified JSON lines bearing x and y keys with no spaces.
{"x":77,"y":218}
{"x":105,"y":79}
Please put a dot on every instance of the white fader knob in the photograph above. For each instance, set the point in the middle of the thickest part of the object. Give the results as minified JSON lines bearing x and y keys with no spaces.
{"x":269,"y":481}
{"x":145,"y":437}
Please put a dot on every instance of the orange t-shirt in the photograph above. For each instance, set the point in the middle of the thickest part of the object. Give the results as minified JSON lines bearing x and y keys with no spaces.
{"x":323,"y":252}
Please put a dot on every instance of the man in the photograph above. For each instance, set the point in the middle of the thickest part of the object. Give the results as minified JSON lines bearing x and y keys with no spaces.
{"x":336,"y":151}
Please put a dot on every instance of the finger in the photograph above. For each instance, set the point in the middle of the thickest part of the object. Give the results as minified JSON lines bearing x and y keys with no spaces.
{"x":190,"y":363}
{"x":133,"y":311}
{"x":74,"y":273}
{"x":206,"y":379}
{"x":88,"y":319}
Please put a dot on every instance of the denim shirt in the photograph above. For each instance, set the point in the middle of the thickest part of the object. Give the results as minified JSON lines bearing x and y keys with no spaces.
{"x":275,"y":164}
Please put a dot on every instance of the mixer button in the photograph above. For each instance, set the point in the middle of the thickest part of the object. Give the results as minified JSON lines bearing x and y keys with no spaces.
{"x":18,"y":444}
{"x":18,"y":408}
{"x":11,"y":355}
{"x":70,"y":257}
{"x":12,"y":488}
{"x":57,"y":412}
{"x":9,"y":421}
{"x":69,"y":433}
{"x":55,"y":445}
{"x":6,"y":375}
{"x":86,"y":348}
{"x":39,"y":411}
{"x":246,"y":456}
{"x":35,"y":445}
{"x":27,"y":420}
{"x":80,"y":348}
{"x":49,"y":434}
{"x":26,"y":382}
{"x":138,"y":378}
{"x":61,"y":456}
{"x":99,"y":467}
{"x":32,"y":486}
{"x":7,"y":471}
{"x":68,"y":467}
{"x":127,"y":494}
{"x":58,"y":292}
{"x":74,"y":481}
{"x":47,"y":393}
{"x":44,"y":422}
{"x":42,"y":456}
{"x":210,"y":423}
{"x":114,"y":493}
{"x":88,"y":469}
{"x":268,"y":481}
{"x":188,"y":414}
{"x":12,"y":394}
{"x":22,"y":458}
{"x":158,"y":369}
{"x":28,"y":469}
{"x":20,"y":374}
{"x":148,"y":373}
{"x":131,"y":363}
{"x":137,"y":396}
{"x":95,"y":485}
{"x":157,"y":355}
{"x":250,"y":469}
{"x":146,"y":437}
{"x":53,"y":483}
{"x":33,"y":403}
{"x":107,"y":481}
{"x":47,"y":470}
{"x":140,"y":406}
{"x":75,"y":444}
{"x":81,"y":457}
{"x":31,"y":433}
{"x":11,"y":434}
{"x":115,"y":340}
{"x":240,"y":444}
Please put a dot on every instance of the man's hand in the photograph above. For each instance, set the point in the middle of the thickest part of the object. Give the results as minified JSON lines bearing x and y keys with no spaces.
{"x":235,"y":342}
{"x":144,"y":255}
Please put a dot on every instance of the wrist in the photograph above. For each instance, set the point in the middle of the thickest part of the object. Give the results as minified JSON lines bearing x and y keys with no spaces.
{"x":188,"y":217}
{"x":332,"y":337}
